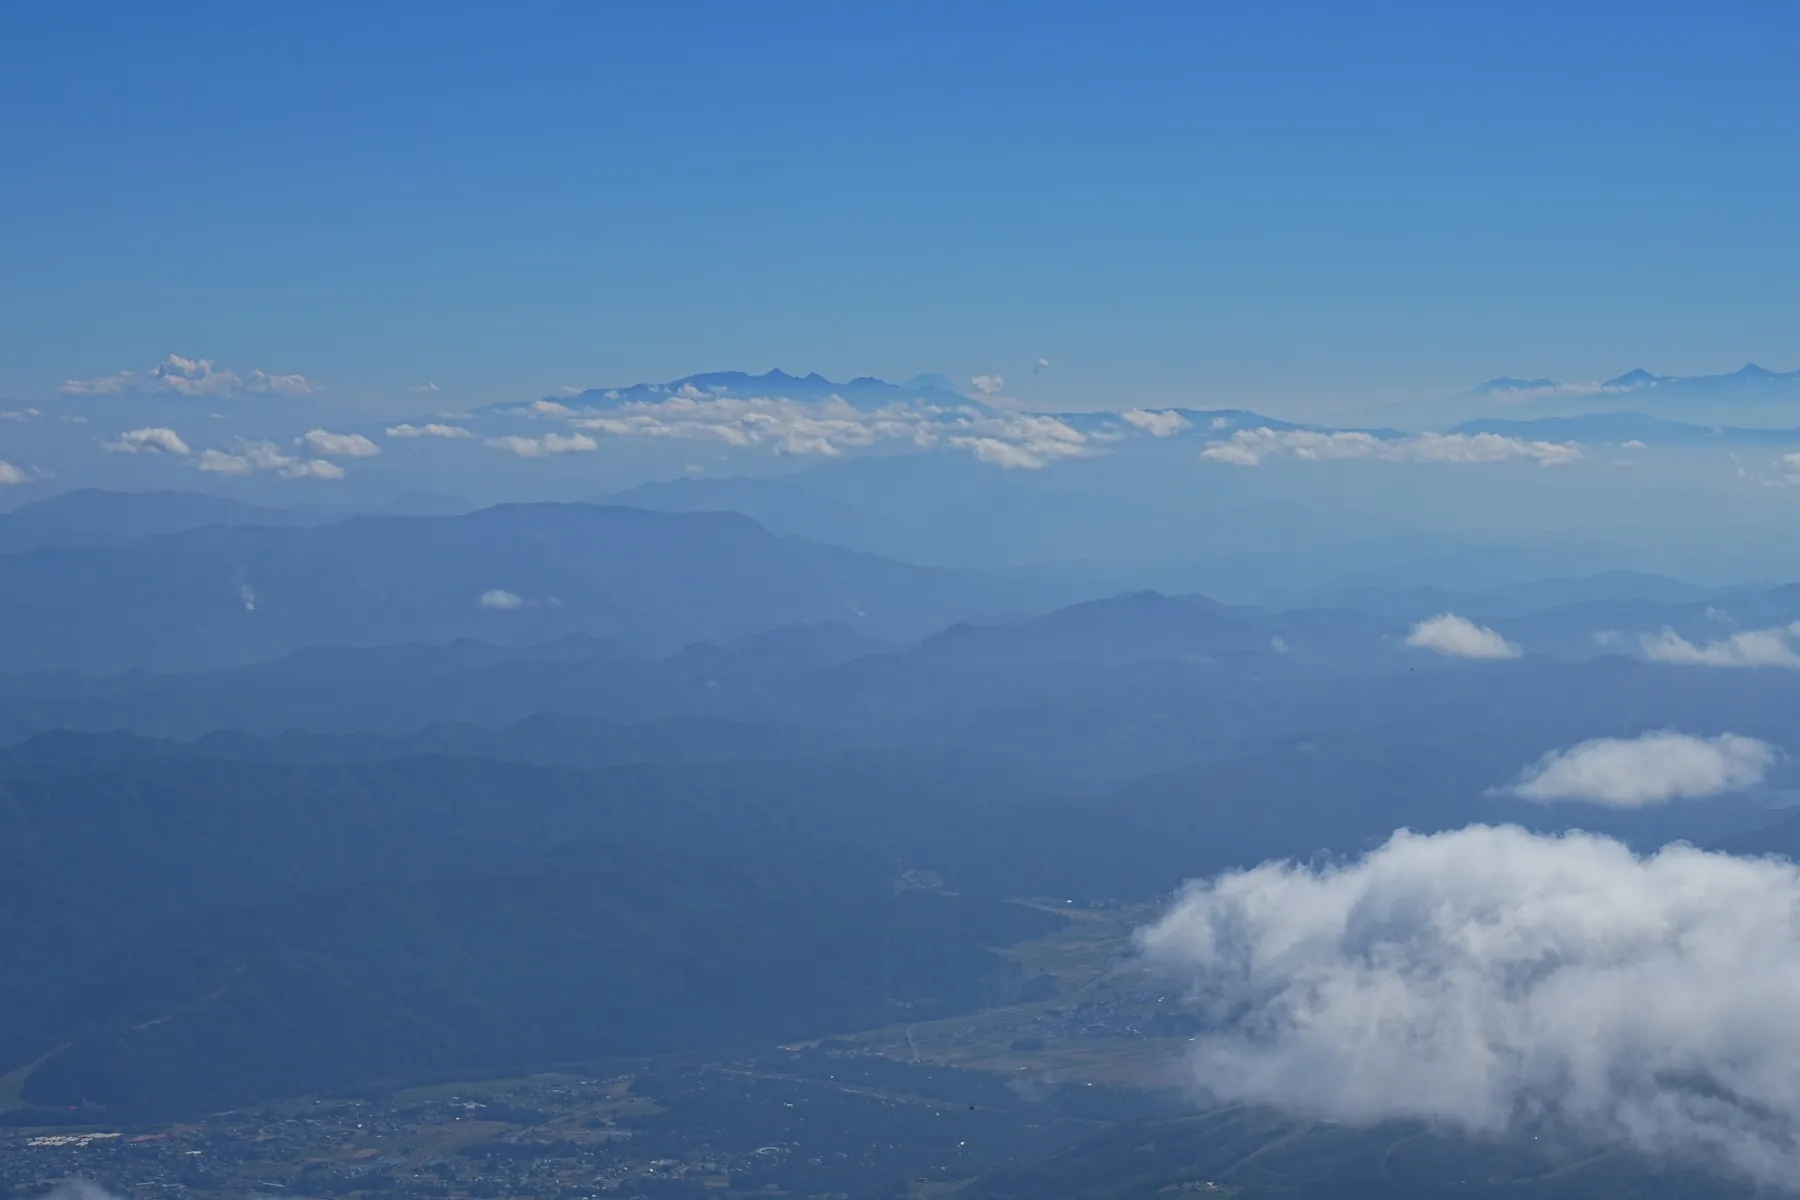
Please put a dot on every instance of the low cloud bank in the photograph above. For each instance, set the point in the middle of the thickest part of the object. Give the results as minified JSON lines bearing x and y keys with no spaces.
{"x":1750,"y":648}
{"x":1459,"y":637}
{"x":1653,"y":768}
{"x":1492,"y":978}
{"x":191,"y":377}
{"x":1252,"y":447}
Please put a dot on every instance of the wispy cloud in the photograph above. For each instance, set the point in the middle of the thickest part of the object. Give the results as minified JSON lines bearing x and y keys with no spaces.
{"x":158,"y":439}
{"x":246,"y":457}
{"x":1021,"y":441}
{"x":500,"y":600}
{"x":427,"y":431}
{"x":1156,"y":424}
{"x":1252,"y":447}
{"x":339,"y":445}
{"x":1459,"y":637}
{"x":546,"y":446}
{"x":1749,"y":648}
{"x":1652,"y":768}
{"x":191,"y":377}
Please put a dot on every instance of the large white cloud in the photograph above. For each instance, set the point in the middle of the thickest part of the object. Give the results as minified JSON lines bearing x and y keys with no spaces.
{"x":1251,"y":447}
{"x":1652,"y":768}
{"x":191,"y":377}
{"x":1749,"y":648}
{"x":1492,"y":978}
{"x":1459,"y":637}
{"x":339,"y":445}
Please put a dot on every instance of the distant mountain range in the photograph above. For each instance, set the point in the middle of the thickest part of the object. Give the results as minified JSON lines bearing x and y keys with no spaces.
{"x":864,"y":392}
{"x":1750,"y":376}
{"x":1751,"y":396}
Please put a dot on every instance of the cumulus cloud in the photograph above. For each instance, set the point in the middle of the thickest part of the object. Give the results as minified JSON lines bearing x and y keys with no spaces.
{"x":1156,"y":424}
{"x":217,"y":462}
{"x":500,"y":599}
{"x":544,"y":447}
{"x":1252,"y":447}
{"x":431,"y":430}
{"x":1021,"y":441}
{"x":339,"y":445}
{"x":11,"y":475}
{"x":316,"y":468}
{"x":1459,"y":637}
{"x":1492,"y":979}
{"x":191,"y":377}
{"x":1748,"y":648}
{"x":989,"y":385}
{"x":247,"y":456}
{"x":1041,"y":365}
{"x":1652,"y":768}
{"x":153,"y":440}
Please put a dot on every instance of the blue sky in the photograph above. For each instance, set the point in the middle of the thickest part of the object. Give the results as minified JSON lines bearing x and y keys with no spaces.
{"x":1285,"y":205}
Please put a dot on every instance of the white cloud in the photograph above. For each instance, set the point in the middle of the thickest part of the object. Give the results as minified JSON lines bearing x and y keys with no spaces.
{"x":316,"y":468}
{"x":11,"y":476}
{"x":544,"y":447}
{"x":217,"y":462}
{"x":542,"y":408}
{"x":832,"y":426}
{"x":1652,"y":768}
{"x":106,"y":385}
{"x":153,"y":440}
{"x":21,"y":415}
{"x":989,"y":385}
{"x":1459,"y":637}
{"x":500,"y":599}
{"x":340,"y":445}
{"x":191,"y":377}
{"x":1493,"y":979}
{"x":1749,"y":648}
{"x":423,"y":387}
{"x":1042,"y":364}
{"x":428,"y":431}
{"x":1004,"y":455}
{"x":246,"y":457}
{"x":1020,"y":440}
{"x":1156,"y":424}
{"x":1250,"y":447}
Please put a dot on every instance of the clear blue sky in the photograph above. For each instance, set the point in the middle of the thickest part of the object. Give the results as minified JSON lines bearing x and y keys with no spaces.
{"x":1184,"y":201}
